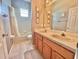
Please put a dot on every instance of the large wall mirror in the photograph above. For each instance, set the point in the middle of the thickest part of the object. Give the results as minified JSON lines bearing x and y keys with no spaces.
{"x":59,"y":20}
{"x":64,"y":16}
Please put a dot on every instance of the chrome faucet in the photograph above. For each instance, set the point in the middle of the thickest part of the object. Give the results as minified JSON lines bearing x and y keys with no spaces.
{"x":63,"y":34}
{"x":44,"y":29}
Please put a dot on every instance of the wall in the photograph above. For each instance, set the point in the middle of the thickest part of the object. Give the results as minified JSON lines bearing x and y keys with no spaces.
{"x":37,"y":21}
{"x":7,"y":2}
{"x":24,"y":24}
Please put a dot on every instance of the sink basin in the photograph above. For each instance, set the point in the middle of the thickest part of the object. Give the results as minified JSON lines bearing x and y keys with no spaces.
{"x":43,"y":31}
{"x":57,"y":36}
{"x":62,"y":37}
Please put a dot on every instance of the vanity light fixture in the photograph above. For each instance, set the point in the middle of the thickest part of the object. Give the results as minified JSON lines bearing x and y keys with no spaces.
{"x":47,"y":1}
{"x":48,"y":16}
{"x":37,"y":15}
{"x":44,"y":25}
{"x":37,"y":20}
{"x":37,"y":9}
{"x":49,"y":12}
{"x":48,"y":21}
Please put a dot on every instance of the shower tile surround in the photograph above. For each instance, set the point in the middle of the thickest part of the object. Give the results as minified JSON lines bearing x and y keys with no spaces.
{"x":24,"y":23}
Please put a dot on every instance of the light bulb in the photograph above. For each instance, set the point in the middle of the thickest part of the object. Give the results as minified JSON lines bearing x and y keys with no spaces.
{"x":47,"y":1}
{"x":37,"y":9}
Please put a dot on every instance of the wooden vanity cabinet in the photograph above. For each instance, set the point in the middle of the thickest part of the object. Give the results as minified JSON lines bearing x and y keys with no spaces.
{"x":59,"y":52}
{"x":35,"y":39}
{"x":50,"y":53}
{"x":46,"y":51}
{"x":40,"y":45}
{"x":55,"y":55}
{"x":38,"y":42}
{"x":50,"y":49}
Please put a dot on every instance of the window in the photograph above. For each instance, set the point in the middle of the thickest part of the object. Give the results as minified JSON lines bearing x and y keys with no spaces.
{"x":24,"y":12}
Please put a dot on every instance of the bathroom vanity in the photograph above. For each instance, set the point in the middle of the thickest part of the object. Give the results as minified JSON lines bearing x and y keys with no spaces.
{"x":51,"y":47}
{"x":60,"y":17}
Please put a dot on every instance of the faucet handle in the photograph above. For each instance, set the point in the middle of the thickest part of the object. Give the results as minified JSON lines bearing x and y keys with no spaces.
{"x":63,"y":34}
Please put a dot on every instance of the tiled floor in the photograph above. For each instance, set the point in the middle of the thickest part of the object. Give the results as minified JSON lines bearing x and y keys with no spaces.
{"x":33,"y":54}
{"x":24,"y":50}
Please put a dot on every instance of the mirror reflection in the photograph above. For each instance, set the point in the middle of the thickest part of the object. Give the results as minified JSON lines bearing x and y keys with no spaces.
{"x":64,"y":16}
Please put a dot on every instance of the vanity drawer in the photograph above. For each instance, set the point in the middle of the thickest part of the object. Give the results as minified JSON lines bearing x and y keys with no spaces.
{"x":67,"y":54}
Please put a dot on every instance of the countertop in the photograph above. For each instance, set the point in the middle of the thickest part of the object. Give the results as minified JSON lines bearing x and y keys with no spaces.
{"x":68,"y":44}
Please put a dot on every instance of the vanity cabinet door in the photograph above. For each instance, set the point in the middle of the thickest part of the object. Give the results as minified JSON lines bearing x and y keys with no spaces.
{"x":58,"y":51}
{"x":35,"y":40}
{"x":40,"y":45}
{"x":38,"y":42}
{"x":56,"y":55}
{"x":46,"y":51}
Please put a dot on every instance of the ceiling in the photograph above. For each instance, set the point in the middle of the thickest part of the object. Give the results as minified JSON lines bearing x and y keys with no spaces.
{"x":19,"y":3}
{"x":27,"y":0}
